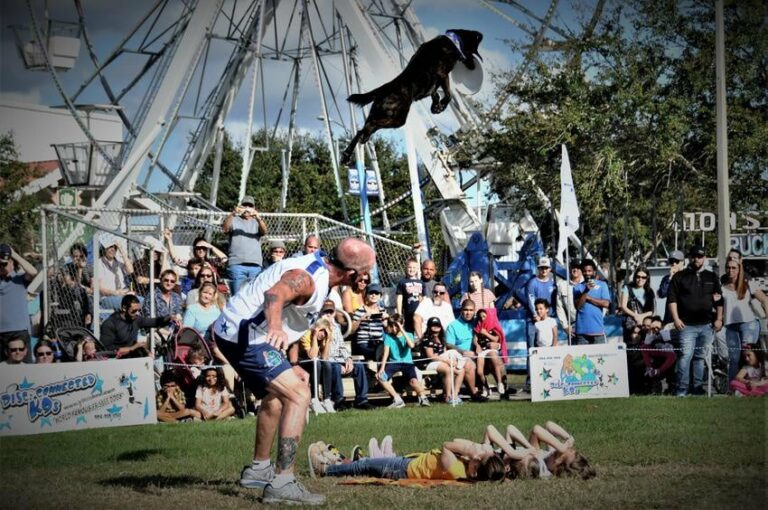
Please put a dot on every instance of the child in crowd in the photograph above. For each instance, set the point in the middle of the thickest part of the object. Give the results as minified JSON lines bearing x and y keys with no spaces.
{"x":196,"y":360}
{"x":489,"y":340}
{"x":546,"y":326}
{"x":212,"y":397}
{"x":171,"y":404}
{"x":750,"y":379}
{"x":397,"y":350}
{"x":409,"y":293}
{"x":658,"y":351}
{"x":86,"y":351}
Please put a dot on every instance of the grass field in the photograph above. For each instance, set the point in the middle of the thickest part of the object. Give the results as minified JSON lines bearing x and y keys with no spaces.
{"x":649,"y":452}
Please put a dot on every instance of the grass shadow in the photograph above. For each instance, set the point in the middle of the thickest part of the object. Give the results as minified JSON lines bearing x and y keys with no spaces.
{"x":154,"y":484}
{"x":138,"y":455}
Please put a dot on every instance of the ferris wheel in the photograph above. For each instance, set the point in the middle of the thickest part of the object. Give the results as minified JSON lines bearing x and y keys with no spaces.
{"x":184,"y":65}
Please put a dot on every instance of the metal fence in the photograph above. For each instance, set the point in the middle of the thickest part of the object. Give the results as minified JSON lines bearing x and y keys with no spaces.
{"x":69,"y":297}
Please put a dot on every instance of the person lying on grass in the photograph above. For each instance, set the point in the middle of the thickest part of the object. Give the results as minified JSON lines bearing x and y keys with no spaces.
{"x":546,"y":453}
{"x":459,"y":459}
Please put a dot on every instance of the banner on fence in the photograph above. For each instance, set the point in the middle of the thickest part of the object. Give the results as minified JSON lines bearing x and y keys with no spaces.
{"x":578,"y":372}
{"x":36,"y":399}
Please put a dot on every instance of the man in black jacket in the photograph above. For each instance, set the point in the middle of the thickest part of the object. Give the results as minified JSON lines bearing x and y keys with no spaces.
{"x":120,"y":332}
{"x":694,"y":300}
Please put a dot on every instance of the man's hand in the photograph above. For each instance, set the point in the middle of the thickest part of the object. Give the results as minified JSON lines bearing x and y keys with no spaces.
{"x":277,"y":338}
{"x":718,"y":325}
{"x":679,"y":325}
{"x":123,"y":351}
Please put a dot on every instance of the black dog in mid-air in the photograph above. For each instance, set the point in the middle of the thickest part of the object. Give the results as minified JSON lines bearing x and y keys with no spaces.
{"x":427,"y":70}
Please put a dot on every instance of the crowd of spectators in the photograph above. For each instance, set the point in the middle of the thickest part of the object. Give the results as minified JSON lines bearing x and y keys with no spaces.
{"x":421,"y":332}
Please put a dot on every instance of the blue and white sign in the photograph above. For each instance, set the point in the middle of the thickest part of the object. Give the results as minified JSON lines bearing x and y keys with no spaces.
{"x":36,"y":399}
{"x":579,"y":372}
{"x":371,"y":183}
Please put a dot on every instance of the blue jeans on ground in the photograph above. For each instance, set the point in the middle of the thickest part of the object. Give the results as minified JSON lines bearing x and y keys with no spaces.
{"x":736,"y":336}
{"x":361,"y":383}
{"x":590,"y":339}
{"x":239,"y":274}
{"x":394,"y":468}
{"x":695,"y":343}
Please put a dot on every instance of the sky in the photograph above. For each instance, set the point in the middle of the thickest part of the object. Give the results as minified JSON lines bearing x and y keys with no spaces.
{"x":108,"y":21}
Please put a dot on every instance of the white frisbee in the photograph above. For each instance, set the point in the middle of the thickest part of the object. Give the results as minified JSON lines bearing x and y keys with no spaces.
{"x":468,"y":81}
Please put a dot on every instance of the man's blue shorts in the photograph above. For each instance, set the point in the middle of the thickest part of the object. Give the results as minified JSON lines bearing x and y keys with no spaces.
{"x":256,"y":364}
{"x":408,"y":370}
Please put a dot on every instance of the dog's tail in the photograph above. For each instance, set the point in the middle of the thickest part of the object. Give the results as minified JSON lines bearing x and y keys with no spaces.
{"x":367,"y":97}
{"x":362,"y":99}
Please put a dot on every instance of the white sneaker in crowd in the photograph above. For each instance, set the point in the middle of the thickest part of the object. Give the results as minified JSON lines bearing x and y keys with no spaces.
{"x":397,"y":404}
{"x":328,"y":406}
{"x":316,"y":406}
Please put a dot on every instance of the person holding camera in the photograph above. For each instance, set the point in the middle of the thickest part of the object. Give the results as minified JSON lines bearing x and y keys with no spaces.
{"x":245,"y":229}
{"x":590,"y":297}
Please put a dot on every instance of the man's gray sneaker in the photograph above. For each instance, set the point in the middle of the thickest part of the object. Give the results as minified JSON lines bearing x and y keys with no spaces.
{"x":256,"y":478}
{"x":292,"y":493}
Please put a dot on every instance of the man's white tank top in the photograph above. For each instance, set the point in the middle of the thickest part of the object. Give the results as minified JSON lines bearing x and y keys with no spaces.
{"x":243,"y":315}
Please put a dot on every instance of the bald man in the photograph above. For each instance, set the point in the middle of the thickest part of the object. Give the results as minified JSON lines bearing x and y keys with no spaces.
{"x":257,"y":324}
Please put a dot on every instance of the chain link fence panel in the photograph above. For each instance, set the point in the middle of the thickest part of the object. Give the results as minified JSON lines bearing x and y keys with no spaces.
{"x":68,"y":236}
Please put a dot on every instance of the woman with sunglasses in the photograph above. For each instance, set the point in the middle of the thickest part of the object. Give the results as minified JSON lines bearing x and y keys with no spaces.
{"x":206,"y":274}
{"x":44,"y":352}
{"x":637,"y":300}
{"x":168,"y":301}
{"x":447,"y":362}
{"x":201,"y":249}
{"x":741,"y":324}
{"x":353,"y":296}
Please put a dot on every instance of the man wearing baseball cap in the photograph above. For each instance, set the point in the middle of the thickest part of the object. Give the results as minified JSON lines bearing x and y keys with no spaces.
{"x":691,"y":302}
{"x":676,"y":262}
{"x":245,"y":229}
{"x":541,"y":286}
{"x":14,"y":319}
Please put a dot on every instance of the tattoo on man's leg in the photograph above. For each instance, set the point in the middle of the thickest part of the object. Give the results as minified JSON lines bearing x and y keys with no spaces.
{"x":286,"y":452}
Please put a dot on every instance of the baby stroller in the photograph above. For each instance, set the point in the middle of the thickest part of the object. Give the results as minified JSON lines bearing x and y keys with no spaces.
{"x":183,"y":342}
{"x":67,"y":338}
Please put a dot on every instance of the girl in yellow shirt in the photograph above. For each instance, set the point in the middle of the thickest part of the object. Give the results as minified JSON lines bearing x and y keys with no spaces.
{"x":459,"y":459}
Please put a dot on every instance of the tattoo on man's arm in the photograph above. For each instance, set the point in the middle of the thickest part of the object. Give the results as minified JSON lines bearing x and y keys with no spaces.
{"x":297,"y":282}
{"x":269,"y":300}
{"x":286,"y":452}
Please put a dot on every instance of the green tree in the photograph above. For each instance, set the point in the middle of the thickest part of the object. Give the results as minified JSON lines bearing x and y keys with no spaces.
{"x":637,"y":114}
{"x":19,"y":220}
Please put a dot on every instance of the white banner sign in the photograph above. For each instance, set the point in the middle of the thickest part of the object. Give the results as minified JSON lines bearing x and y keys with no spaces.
{"x":35,"y":399}
{"x":577,"y":372}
